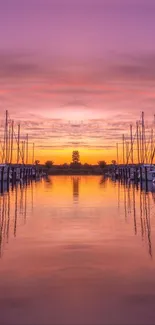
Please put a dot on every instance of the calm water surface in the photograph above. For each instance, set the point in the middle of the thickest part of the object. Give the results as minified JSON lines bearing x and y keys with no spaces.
{"x":77,"y":250}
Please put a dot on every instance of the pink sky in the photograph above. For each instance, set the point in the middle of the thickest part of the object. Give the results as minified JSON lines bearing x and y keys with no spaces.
{"x":77,"y":73}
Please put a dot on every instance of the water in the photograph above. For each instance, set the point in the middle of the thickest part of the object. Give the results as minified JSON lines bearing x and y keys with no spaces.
{"x":77,"y":250}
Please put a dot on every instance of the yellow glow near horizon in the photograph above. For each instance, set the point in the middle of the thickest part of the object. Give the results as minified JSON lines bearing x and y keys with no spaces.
{"x":90,"y":156}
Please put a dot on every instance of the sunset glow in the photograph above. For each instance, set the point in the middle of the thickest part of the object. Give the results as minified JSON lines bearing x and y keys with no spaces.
{"x":72,"y":78}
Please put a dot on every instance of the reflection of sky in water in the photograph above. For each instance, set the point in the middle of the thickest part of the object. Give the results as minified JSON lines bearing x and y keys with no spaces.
{"x":76,"y":181}
{"x":89,"y":263}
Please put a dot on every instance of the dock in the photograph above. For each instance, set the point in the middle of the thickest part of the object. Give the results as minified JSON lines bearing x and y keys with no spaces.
{"x":17,"y":154}
{"x":135,"y":153}
{"x":12,"y":174}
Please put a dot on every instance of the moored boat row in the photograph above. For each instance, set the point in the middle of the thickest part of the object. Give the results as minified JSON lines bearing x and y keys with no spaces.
{"x":143,"y":172}
{"x":14,"y":173}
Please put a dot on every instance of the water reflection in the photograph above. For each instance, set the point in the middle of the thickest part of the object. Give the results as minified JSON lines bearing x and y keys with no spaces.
{"x":137,"y":202}
{"x":103,"y":181}
{"x":13,"y":210}
{"x":3,"y":187}
{"x":76,"y":181}
{"x":70,"y":258}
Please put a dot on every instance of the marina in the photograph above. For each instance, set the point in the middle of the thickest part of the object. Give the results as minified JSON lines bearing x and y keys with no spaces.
{"x":15,"y":155}
{"x":96,"y":237}
{"x":77,"y":162}
{"x":136,"y":153}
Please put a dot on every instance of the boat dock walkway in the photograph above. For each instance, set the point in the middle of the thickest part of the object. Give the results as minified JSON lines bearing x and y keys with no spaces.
{"x":137,"y":173}
{"x":13,"y":173}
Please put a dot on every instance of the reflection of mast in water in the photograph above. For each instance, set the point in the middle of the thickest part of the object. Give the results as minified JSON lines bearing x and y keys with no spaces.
{"x":134,"y":209}
{"x":118,"y":195}
{"x":2,"y":220}
{"x":8,"y":221}
{"x":141,"y":216}
{"x":25,"y":206}
{"x":21,"y":199}
{"x":153,"y":196}
{"x":16,"y":210}
{"x":144,"y":208}
{"x":125,"y":207}
{"x":148,"y":223}
{"x":129,"y":200}
{"x":32,"y":196}
{"x":75,"y":188}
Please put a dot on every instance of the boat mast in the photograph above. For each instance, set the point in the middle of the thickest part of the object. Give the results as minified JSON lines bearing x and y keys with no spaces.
{"x":23,"y":152}
{"x":11,"y":149}
{"x":131,"y":143}
{"x":143,"y":138}
{"x":6,"y":137}
{"x":9,"y":142}
{"x":138,"y":156}
{"x":127,"y":152}
{"x":33,"y":154}
{"x":18,"y":144}
{"x":123,"y":139}
{"x":153,"y":149}
{"x":117,"y":154}
{"x":151,"y":146}
{"x":27,"y":148}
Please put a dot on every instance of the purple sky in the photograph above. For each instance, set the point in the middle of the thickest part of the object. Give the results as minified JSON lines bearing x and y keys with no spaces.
{"x":91,"y":61}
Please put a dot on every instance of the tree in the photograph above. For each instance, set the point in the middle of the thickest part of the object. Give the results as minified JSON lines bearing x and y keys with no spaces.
{"x":113,"y":162}
{"x":37,"y":162}
{"x":75,"y":157}
{"x":86,"y":165}
{"x":102,"y":163}
{"x":65,"y":165}
{"x":49,"y":163}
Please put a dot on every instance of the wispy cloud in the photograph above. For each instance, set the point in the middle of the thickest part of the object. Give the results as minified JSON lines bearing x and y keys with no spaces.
{"x":84,"y":100}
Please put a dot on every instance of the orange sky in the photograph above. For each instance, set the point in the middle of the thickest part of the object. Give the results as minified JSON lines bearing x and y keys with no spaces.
{"x":86,"y":155}
{"x":76,"y":76}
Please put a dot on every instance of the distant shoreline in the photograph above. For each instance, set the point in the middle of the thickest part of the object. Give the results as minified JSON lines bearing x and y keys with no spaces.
{"x":74,"y":173}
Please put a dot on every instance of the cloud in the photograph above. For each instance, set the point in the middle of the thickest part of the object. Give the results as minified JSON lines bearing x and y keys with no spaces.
{"x":45,"y":98}
{"x":17,"y":65}
{"x":140,"y":69}
{"x":62,"y":76}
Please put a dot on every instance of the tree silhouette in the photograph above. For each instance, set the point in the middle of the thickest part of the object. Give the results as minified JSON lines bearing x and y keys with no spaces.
{"x":37,"y":162}
{"x":113,"y":162}
{"x":49,"y":163}
{"x":75,"y":157}
{"x":102,"y":163}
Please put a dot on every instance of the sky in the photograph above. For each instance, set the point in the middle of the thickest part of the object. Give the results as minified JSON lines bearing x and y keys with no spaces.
{"x":77,"y":73}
